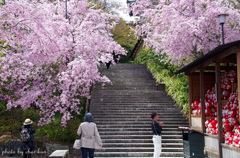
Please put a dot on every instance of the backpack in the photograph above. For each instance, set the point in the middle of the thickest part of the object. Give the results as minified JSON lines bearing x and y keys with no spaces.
{"x":25,"y":136}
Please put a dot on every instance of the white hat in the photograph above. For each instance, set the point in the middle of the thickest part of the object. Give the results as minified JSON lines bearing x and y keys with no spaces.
{"x":27,"y":122}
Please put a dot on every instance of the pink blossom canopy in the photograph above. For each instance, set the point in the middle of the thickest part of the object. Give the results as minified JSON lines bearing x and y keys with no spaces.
{"x":48,"y":61}
{"x":185,"y":29}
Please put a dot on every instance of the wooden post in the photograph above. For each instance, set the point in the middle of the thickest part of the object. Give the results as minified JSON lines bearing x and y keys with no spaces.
{"x":238,"y":79}
{"x":202,"y":96}
{"x":190,"y":92}
{"x":219,"y":107}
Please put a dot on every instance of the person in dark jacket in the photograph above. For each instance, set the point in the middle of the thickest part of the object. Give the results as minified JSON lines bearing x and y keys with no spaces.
{"x":28,"y":146}
{"x":108,"y":64}
{"x":157,"y":135}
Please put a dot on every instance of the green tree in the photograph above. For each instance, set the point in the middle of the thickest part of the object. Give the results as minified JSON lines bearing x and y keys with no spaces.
{"x":124,"y":35}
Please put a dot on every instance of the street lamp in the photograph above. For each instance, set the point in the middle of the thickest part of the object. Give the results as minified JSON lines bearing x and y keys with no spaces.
{"x":222,"y":20}
{"x":66,"y":8}
{"x":130,"y":1}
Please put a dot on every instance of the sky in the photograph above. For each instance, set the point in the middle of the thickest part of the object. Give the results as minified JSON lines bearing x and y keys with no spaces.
{"x":123,"y":12}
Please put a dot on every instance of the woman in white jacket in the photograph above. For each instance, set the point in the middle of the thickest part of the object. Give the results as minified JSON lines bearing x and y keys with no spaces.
{"x":90,"y":139}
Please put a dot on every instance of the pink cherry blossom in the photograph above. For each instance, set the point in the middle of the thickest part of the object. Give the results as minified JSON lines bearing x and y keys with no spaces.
{"x":186,"y":29}
{"x":52,"y":61}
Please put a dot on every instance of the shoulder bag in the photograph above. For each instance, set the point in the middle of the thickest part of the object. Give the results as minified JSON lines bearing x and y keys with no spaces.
{"x":77,"y":143}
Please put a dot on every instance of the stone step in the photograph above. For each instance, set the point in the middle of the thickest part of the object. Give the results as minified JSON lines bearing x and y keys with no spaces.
{"x":155,"y":101}
{"x":140,"y":125}
{"x":136,"y":121}
{"x":135,"y":115}
{"x":148,"y":103}
{"x":133,"y":105}
{"x":133,"y":129}
{"x":139,"y":136}
{"x":134,"y":108}
{"x":139,"y":100}
{"x":127,"y":93}
{"x":148,"y":112}
{"x":128,"y":80}
{"x":97,"y":103}
{"x":140,"y":119}
{"x":127,"y":88}
{"x":168,"y":145}
{"x":138,"y":149}
{"x":151,"y":109}
{"x":146,"y":132}
{"x":127,"y":75}
{"x":136,"y":154}
{"x":136,"y":126}
{"x":117,"y":141}
{"x":131,"y":112}
{"x":139,"y":157}
{"x":129,"y":96}
{"x":123,"y":102}
{"x":144,"y":100}
{"x":139,"y":82}
{"x":125,"y":65}
{"x":118,"y":68}
{"x":179,"y":122}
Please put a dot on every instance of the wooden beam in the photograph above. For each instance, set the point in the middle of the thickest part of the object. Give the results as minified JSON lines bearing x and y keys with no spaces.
{"x":222,"y":68}
{"x":238,"y":79}
{"x":202,"y":94}
{"x":212,"y":68}
{"x":192,"y":70}
{"x":228,"y":52}
{"x":190,"y":92}
{"x":225,"y":60}
{"x":219,"y":107}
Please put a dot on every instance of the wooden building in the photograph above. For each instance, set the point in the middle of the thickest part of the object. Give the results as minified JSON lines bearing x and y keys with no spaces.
{"x":203,"y":74}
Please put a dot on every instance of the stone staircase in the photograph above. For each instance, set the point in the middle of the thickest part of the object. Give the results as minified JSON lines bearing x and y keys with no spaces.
{"x":122,"y":113}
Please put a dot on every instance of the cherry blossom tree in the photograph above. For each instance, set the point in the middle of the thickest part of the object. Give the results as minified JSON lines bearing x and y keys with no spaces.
{"x":186,"y":29}
{"x":49,"y":61}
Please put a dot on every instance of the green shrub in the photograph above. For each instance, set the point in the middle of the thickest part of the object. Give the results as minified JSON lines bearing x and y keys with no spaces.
{"x":55,"y":131}
{"x":12,"y":121}
{"x":162,"y":71}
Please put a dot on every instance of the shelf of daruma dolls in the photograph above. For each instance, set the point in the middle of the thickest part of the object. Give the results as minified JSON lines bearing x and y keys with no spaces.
{"x":196,"y":119}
